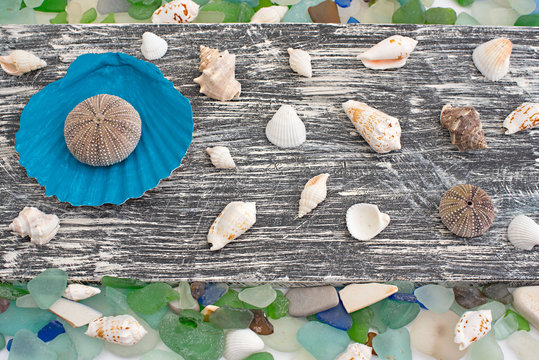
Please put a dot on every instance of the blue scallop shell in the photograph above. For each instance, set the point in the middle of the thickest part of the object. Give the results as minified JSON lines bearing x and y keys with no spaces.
{"x":167,"y":131}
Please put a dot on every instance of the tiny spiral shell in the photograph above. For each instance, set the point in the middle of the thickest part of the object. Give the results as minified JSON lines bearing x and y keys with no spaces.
{"x":314,"y":193}
{"x":464,"y":127}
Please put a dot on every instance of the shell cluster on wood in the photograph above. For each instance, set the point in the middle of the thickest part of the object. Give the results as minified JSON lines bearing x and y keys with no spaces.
{"x":32,"y":222}
{"x":526,"y":116}
{"x":464,"y":127}
{"x":235,"y":219}
{"x":492,"y":58}
{"x":389,"y":53}
{"x":121,"y":329}
{"x":19,"y":62}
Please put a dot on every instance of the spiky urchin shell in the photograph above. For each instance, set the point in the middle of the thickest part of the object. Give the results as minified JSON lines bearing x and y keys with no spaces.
{"x":102,"y":130}
{"x":467,"y":210}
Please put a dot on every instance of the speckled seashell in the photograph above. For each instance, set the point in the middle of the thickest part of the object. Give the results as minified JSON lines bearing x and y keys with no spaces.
{"x":285,"y":129}
{"x":526,"y":116}
{"x":121,"y":330}
{"x":472,"y":326}
{"x":78,"y":292}
{"x":492,"y":58}
{"x":365,"y":221}
{"x":464,"y":127}
{"x":74,"y":313}
{"x":314,"y":192}
{"x":40,"y":227}
{"x":153,"y":47}
{"x":356,"y":351}
{"x":235,"y":219}
{"x":19,"y":62}
{"x":241,"y":343}
{"x":176,"y":12}
{"x":523,"y":232}
{"x":300,"y":62}
{"x":389,"y":53}
{"x":466,"y":210}
{"x":220,"y":157}
{"x":218,"y":74}
{"x":102,"y":130}
{"x":269,"y":15}
{"x":381,"y":131}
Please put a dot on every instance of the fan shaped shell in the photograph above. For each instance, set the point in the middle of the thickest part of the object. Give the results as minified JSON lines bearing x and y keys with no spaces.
{"x":526,"y":116}
{"x":523,"y":232}
{"x":220,"y":157}
{"x":235,"y":219}
{"x":314,"y":192}
{"x":242,"y":343}
{"x":121,"y":329}
{"x":365,"y":221}
{"x":300,"y":62}
{"x":19,"y":62}
{"x":389,"y":53}
{"x":269,"y":15}
{"x":32,"y":222}
{"x":153,"y":47}
{"x":464,"y":127}
{"x":285,"y":129}
{"x":176,"y":12}
{"x":492,"y":58}
{"x":218,"y":74}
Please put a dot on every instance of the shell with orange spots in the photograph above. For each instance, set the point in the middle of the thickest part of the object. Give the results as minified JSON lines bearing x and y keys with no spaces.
{"x":389,"y":53}
{"x":314,"y":192}
{"x":121,"y":330}
{"x":526,"y":116}
{"x":472,"y":326}
{"x":176,"y":12}
{"x":492,"y":58}
{"x":235,"y":219}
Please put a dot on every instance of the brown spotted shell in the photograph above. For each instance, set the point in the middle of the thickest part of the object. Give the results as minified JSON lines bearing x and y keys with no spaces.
{"x":467,"y":210}
{"x":464,"y":127}
{"x":102,"y":130}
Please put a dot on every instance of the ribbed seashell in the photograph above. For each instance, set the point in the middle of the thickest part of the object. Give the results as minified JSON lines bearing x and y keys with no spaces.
{"x":269,"y":15}
{"x":102,"y":130}
{"x":220,"y":157}
{"x":285,"y":129}
{"x":241,"y":343}
{"x":492,"y":58}
{"x":78,"y":292}
{"x":121,"y":329}
{"x":356,"y":351}
{"x":466,"y":210}
{"x":40,"y":227}
{"x":19,"y":62}
{"x":526,"y":116}
{"x":218,"y":79}
{"x":523,"y":232}
{"x":176,"y":12}
{"x":300,"y":62}
{"x":314,"y":192}
{"x":464,"y":127}
{"x":381,"y":131}
{"x":472,"y":326}
{"x":235,"y":219}
{"x":365,"y":221}
{"x":389,"y":53}
{"x":76,"y":314}
{"x":153,"y":47}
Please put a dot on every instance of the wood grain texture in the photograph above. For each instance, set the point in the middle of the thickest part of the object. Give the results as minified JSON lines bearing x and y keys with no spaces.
{"x":162,"y":235}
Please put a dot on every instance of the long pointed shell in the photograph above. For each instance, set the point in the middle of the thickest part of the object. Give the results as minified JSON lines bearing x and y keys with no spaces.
{"x":300,"y":62}
{"x":285,"y":129}
{"x":270,"y":14}
{"x":365,"y":221}
{"x":381,"y":131}
{"x":356,"y":351}
{"x":314,"y":193}
{"x":40,"y":227}
{"x":389,"y":53}
{"x":464,"y":127}
{"x":19,"y":62}
{"x":235,"y":219}
{"x":526,"y":116}
{"x":74,"y":313}
{"x":492,"y":58}
{"x":523,"y":232}
{"x":121,"y":330}
{"x":153,"y":47}
{"x":220,"y":157}
{"x":78,"y":292}
{"x":242,"y":343}
{"x":176,"y":12}
{"x":218,"y":75}
{"x":472,"y":326}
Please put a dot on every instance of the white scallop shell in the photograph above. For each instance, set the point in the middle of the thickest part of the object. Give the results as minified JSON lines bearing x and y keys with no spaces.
{"x":153,"y":47}
{"x":285,"y":129}
{"x":235,"y":219}
{"x":121,"y":329}
{"x":492,"y":58}
{"x":526,"y":116}
{"x":523,"y":232}
{"x":314,"y":192}
{"x":389,"y":53}
{"x":356,"y":351}
{"x":270,"y":14}
{"x":74,"y":313}
{"x":78,"y":292}
{"x":300,"y":62}
{"x":19,"y":62}
{"x":472,"y":326}
{"x":220,"y":157}
{"x":365,"y":221}
{"x":241,"y":343}
{"x":176,"y":12}
{"x":40,"y":227}
{"x":381,"y":131}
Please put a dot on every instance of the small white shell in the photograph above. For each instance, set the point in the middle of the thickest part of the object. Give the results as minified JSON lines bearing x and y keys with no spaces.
{"x":472,"y":326}
{"x":74,"y":313}
{"x":300,"y":62}
{"x":389,"y":53}
{"x":153,"y":47}
{"x":365,"y":221}
{"x":492,"y":58}
{"x":523,"y":232}
{"x":19,"y":62}
{"x":235,"y":219}
{"x":270,"y":14}
{"x":526,"y":116}
{"x":121,"y":330}
{"x":242,"y":343}
{"x":356,"y":351}
{"x":285,"y":129}
{"x":78,"y":292}
{"x":220,"y":157}
{"x":40,"y":227}
{"x":314,"y":192}
{"x":176,"y":12}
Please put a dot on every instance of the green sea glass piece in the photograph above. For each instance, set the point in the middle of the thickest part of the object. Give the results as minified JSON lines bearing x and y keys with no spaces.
{"x":324,"y":342}
{"x":263,"y":3}
{"x":393,"y":344}
{"x":440,"y":15}
{"x":466,"y":19}
{"x":52,"y":6}
{"x":395,"y":314}
{"x":151,"y":298}
{"x":298,"y":13}
{"x":161,"y":355}
{"x":361,"y":321}
{"x":406,"y":287}
{"x":523,"y":324}
{"x":231,"y":10}
{"x":88,"y":16}
{"x":109,"y":19}
{"x":15,"y":319}
{"x":465,"y":2}
{"x":2,"y":342}
{"x":209,"y":17}
{"x":60,"y":18}
{"x":260,"y":356}
{"x":33,"y":3}
{"x":200,"y":2}
{"x":63,"y":347}
{"x":154,"y":319}
{"x":26,"y":301}
{"x":48,"y":287}
{"x":486,"y":348}
{"x":245,"y":13}
{"x":410,"y":13}
{"x":258,"y":296}
{"x":186,"y":300}
{"x":497,"y":309}
{"x":117,"y":300}
{"x":230,"y":298}
{"x":523,"y":7}
{"x":505,"y":326}
{"x":99,"y":302}
{"x":230,"y":318}
{"x":528,"y":20}
{"x":87,"y":347}
{"x":10,"y":292}
{"x":26,"y":345}
{"x":141,"y":11}
{"x":279,"y":307}
{"x":122,"y":283}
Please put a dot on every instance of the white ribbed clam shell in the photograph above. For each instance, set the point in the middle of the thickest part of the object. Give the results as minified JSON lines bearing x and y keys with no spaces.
{"x":74,"y":313}
{"x":40,"y":227}
{"x":19,"y":62}
{"x":153,"y":47}
{"x":523,"y":232}
{"x":78,"y":292}
{"x":241,"y":343}
{"x":472,"y":326}
{"x":121,"y":329}
{"x":285,"y":129}
{"x":314,"y":192}
{"x":300,"y":62}
{"x":356,"y":351}
{"x":389,"y":53}
{"x":235,"y":219}
{"x":365,"y":221}
{"x":492,"y":58}
{"x":270,"y":14}
{"x":526,"y":116}
{"x":176,"y":12}
{"x":220,"y":157}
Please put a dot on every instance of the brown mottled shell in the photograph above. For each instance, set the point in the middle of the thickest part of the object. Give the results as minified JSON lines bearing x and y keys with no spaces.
{"x":102,"y":130}
{"x":464,"y":126}
{"x":467,"y":210}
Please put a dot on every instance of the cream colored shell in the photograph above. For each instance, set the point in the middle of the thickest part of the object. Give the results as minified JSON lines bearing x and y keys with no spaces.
{"x":365,"y":221}
{"x":314,"y":192}
{"x":235,"y":219}
{"x":270,"y":14}
{"x":389,"y":53}
{"x":523,"y":232}
{"x":285,"y":129}
{"x":153,"y":47}
{"x":241,"y":343}
{"x":218,"y":79}
{"x":220,"y":157}
{"x":526,"y":116}
{"x":121,"y":329}
{"x":492,"y":58}
{"x":76,"y":314}
{"x":356,"y":351}
{"x":300,"y":62}
{"x":19,"y":62}
{"x":78,"y":292}
{"x":40,"y":227}
{"x":472,"y":326}
{"x":176,"y":12}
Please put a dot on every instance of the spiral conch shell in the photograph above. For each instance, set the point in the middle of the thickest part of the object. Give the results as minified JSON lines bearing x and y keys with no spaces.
{"x":235,"y":219}
{"x":218,"y":74}
{"x":389,"y":53}
{"x":300,"y":62}
{"x":121,"y":330}
{"x":40,"y":227}
{"x":314,"y":193}
{"x":464,"y":126}
{"x":472,"y":326}
{"x":176,"y":12}
{"x":526,"y":116}
{"x":492,"y":58}
{"x":220,"y":157}
{"x":19,"y":62}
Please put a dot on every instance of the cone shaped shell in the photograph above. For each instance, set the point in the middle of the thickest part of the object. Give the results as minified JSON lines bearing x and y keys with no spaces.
{"x":19,"y":62}
{"x":220,"y":157}
{"x":218,"y":75}
{"x":235,"y":219}
{"x":464,"y":127}
{"x":389,"y":53}
{"x":78,"y":292}
{"x":285,"y":129}
{"x":526,"y":116}
{"x":523,"y":232}
{"x":314,"y":193}
{"x":176,"y":12}
{"x":300,"y":62}
{"x":242,"y":343}
{"x":492,"y":58}
{"x":121,"y":330}
{"x":472,"y":326}
{"x":365,"y":221}
{"x":153,"y":47}
{"x":269,"y":15}
{"x":40,"y":227}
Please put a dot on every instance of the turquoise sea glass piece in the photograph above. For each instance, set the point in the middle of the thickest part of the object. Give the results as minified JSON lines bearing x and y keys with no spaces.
{"x":87,"y":347}
{"x":497,"y":309}
{"x":298,"y":13}
{"x":48,"y":287}
{"x":486,"y":348}
{"x":152,"y":298}
{"x":15,"y":319}
{"x":99,"y":302}
{"x":2,"y":342}
{"x":230,"y":9}
{"x":154,"y":319}
{"x":436,"y":298}
{"x":393,"y":344}
{"x":395,"y":314}
{"x":63,"y":347}
{"x":33,"y":3}
{"x":324,"y":342}
{"x":10,"y":5}
{"x":505,"y":326}
{"x":251,"y":3}
{"x":26,"y":345}
{"x":117,"y":301}
{"x":245,"y":13}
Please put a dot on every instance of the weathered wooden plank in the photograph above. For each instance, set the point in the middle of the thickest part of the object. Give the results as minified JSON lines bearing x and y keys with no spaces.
{"x":163,"y":234}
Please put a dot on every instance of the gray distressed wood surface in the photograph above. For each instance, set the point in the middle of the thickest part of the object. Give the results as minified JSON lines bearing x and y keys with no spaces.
{"x":163,"y":234}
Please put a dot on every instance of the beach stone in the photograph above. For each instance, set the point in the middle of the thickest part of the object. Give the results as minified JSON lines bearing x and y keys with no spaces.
{"x":279,"y":307}
{"x":284,"y":334}
{"x":197,"y":289}
{"x":260,"y":356}
{"x":122,"y":283}
{"x":230,"y":298}
{"x":523,"y":7}
{"x":324,"y":12}
{"x":337,"y":317}
{"x":436,"y":298}
{"x":260,"y":324}
{"x":528,"y":20}
{"x":14,"y":319}
{"x":151,"y":298}
{"x":4,"y":305}
{"x":112,"y":6}
{"x":439,"y":15}
{"x":505,"y":326}
{"x":395,"y":314}
{"x":2,"y":342}
{"x":51,"y":331}
{"x":324,"y":342}
{"x":393,"y":344}
{"x":498,"y":292}
{"x":161,"y":355}
{"x":212,"y":293}
{"x":359,"y":296}
{"x":26,"y":345}
{"x":410,"y":13}
{"x":185,"y":301}
{"x":63,"y":347}
{"x":231,"y":318}
{"x":155,"y":319}
{"x":47,"y":287}
{"x":469,"y":296}
{"x":525,"y":345}
{"x":486,"y":348}
{"x":87,"y":347}
{"x":523,"y":324}
{"x":526,"y":302}
{"x":147,"y":343}
{"x":259,"y":296}
{"x":361,"y":321}
{"x":311,"y":300}
{"x":466,"y":19}
{"x":298,"y":13}
{"x":496,"y":308}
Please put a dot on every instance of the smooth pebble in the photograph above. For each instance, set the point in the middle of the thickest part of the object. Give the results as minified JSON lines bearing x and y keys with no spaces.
{"x":311,"y":300}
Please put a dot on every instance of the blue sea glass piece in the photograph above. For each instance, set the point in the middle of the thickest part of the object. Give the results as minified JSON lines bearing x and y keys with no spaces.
{"x":353,"y":20}
{"x":411,"y":298}
{"x":51,"y":331}
{"x":337,"y":317}
{"x":212,"y":293}
{"x":9,"y":343}
{"x":343,"y":3}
